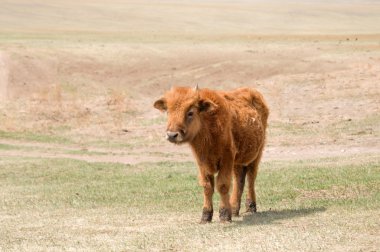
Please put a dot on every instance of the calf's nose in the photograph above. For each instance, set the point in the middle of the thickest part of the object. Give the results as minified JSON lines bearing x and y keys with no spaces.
{"x":171,"y":136}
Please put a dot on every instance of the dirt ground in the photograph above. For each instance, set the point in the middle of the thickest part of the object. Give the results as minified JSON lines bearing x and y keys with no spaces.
{"x":322,"y":91}
{"x":96,"y":72}
{"x":78,"y":80}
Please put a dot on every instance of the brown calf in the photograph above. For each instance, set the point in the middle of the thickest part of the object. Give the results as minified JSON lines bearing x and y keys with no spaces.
{"x":226,"y":132}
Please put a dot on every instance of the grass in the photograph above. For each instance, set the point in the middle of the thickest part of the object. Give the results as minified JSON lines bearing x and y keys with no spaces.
{"x":46,"y":149}
{"x":368,"y":125}
{"x":69,"y":183}
{"x":133,"y":142}
{"x":323,"y":183}
{"x":310,"y":132}
{"x":63,"y":183}
{"x":85,"y":152}
{"x":160,"y":120}
{"x":35,"y":137}
{"x":160,"y":203}
{"x":8,"y":147}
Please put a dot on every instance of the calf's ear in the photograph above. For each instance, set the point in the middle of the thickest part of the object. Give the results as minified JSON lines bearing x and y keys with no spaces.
{"x":206,"y":105}
{"x":160,"y":104}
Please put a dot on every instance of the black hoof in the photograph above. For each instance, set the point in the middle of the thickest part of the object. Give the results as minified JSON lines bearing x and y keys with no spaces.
{"x":206,"y":216}
{"x":251,"y":206}
{"x":225,"y":215}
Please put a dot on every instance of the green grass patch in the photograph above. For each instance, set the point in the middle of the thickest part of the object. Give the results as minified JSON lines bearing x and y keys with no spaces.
{"x":44,"y":149}
{"x":34,"y":137}
{"x":168,"y":186}
{"x":8,"y":147}
{"x":320,"y":183}
{"x":134,"y":142}
{"x":85,"y":152}
{"x":69,"y":183}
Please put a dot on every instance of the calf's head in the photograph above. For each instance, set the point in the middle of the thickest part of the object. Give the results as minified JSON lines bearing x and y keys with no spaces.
{"x":186,"y":110}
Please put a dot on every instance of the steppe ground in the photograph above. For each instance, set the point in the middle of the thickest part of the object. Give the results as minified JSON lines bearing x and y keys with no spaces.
{"x":83,"y":160}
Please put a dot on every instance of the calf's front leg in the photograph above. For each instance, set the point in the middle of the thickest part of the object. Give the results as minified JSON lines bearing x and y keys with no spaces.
{"x":207,"y":182}
{"x":223,"y":185}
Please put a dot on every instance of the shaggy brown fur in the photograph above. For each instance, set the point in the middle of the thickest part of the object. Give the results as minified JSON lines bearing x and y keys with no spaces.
{"x":226,"y":132}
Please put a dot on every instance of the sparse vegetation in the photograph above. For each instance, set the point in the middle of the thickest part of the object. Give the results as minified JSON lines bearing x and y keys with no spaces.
{"x":34,"y":137}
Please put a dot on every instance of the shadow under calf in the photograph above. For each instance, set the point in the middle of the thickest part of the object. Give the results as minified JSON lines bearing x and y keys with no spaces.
{"x":272,"y":216}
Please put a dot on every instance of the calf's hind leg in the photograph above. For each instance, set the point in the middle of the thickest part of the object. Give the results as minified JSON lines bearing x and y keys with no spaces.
{"x":251,"y":177}
{"x":239,"y":173}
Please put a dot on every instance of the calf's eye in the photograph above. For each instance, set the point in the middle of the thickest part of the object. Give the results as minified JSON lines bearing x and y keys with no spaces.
{"x":190,"y":114}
